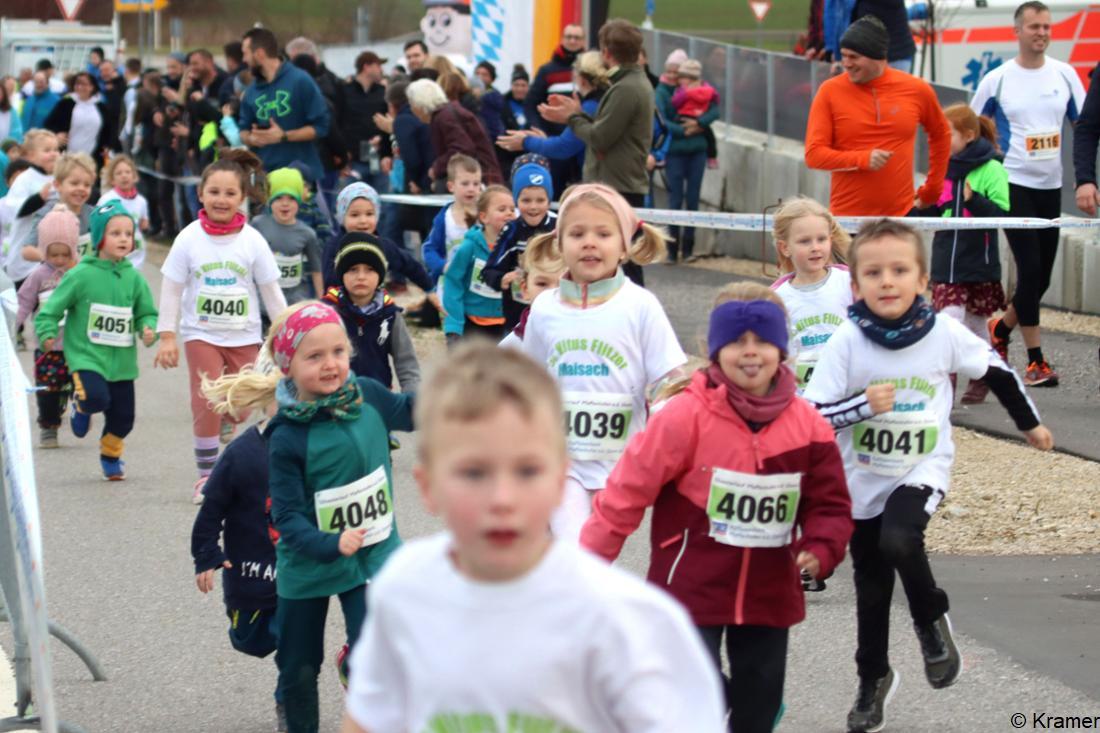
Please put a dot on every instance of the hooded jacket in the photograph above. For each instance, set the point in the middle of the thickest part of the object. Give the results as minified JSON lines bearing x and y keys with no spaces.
{"x":99,"y":281}
{"x":455,"y":129}
{"x":293,"y":101}
{"x":971,"y":255}
{"x":462,"y":276}
{"x":670,"y":466}
{"x":43,"y":280}
{"x":377,"y":337}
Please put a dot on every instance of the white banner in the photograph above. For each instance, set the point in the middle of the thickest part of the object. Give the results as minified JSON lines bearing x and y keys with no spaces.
{"x":21,"y":498}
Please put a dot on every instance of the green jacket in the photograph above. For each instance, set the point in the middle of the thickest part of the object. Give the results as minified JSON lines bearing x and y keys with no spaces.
{"x":621,"y":133}
{"x":91,"y":285}
{"x":325,"y":453}
{"x":682,"y":144}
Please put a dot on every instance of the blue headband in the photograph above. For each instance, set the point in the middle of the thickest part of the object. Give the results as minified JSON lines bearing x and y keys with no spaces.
{"x":729,"y":320}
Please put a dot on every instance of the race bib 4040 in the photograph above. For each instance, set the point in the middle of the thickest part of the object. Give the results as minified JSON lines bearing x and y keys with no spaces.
{"x":892,"y":443}
{"x":597,"y":424}
{"x":228,"y":310}
{"x":747,"y":510}
{"x":363,"y":504}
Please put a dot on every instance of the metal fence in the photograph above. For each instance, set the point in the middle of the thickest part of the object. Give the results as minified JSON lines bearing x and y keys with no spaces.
{"x":771,"y":92}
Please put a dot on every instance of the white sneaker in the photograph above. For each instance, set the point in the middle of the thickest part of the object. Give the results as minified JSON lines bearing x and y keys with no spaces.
{"x":196,"y":496}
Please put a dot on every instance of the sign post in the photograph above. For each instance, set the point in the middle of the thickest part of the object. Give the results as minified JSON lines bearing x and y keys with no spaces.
{"x":760,"y":9}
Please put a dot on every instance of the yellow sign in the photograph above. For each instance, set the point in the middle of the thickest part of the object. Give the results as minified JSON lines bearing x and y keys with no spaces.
{"x":134,"y":6}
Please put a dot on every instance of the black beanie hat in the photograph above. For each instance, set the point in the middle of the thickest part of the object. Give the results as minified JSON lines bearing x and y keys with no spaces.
{"x":518,"y":72}
{"x":867,"y":37}
{"x":360,"y":248}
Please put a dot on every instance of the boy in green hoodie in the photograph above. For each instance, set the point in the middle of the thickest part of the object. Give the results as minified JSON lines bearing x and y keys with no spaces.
{"x":105,"y":301}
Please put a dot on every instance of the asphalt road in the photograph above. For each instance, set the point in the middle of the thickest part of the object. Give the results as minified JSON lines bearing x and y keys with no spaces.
{"x":119,"y":576}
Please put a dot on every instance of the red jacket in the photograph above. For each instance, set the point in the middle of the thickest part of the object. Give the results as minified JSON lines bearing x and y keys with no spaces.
{"x":669,"y":466}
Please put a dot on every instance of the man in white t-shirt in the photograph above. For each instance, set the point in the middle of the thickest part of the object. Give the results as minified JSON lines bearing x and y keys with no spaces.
{"x":495,"y":626}
{"x":1030,"y":97}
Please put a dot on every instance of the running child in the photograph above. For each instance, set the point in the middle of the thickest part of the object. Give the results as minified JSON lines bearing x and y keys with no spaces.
{"x":450,"y":224}
{"x":331,"y":479}
{"x":217,"y":269}
{"x":58,"y":232}
{"x":74,"y":176}
{"x":238,"y":510}
{"x":535,"y":278}
{"x":471,"y":306}
{"x":120,"y":179}
{"x":715,"y":503}
{"x":29,"y":191}
{"x":450,"y":613}
{"x":357,"y":208}
{"x":606,"y":340}
{"x":373,"y":321}
{"x":899,"y":463}
{"x":816,"y":287}
{"x":966,"y":264}
{"x":105,"y":303}
{"x":533,"y":189}
{"x":295,"y":246}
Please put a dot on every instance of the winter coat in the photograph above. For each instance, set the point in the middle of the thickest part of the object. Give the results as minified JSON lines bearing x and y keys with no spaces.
{"x":454,"y":129}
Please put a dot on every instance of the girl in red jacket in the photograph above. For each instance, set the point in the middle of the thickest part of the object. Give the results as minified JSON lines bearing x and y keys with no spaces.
{"x":747,"y":488}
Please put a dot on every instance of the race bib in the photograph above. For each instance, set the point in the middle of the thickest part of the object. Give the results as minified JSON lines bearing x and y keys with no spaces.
{"x":804,"y":365}
{"x":110,"y":325}
{"x":83,"y":245}
{"x":363,"y":504}
{"x":222,"y":309}
{"x":43,"y":297}
{"x":1043,"y":145}
{"x":892,"y":443}
{"x":290,"y":270}
{"x":747,"y":510}
{"x":477,"y":286}
{"x":596,"y":424}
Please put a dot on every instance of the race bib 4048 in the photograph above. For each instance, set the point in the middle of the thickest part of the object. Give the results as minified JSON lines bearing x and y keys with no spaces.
{"x":597,"y":424}
{"x":892,"y":443}
{"x":363,"y":504}
{"x":747,"y":510}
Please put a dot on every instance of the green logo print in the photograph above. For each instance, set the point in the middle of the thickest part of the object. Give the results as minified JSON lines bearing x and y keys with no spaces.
{"x":280,"y":105}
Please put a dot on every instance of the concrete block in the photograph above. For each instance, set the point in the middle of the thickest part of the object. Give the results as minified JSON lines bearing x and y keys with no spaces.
{"x":1056,"y":290}
{"x":1090,"y":277}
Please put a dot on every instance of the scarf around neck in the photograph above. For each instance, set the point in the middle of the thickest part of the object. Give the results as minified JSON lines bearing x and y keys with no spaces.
{"x":753,"y":409}
{"x":592,"y":294}
{"x":894,"y":335}
{"x":344,"y":404}
{"x":128,"y":194}
{"x":217,"y":229}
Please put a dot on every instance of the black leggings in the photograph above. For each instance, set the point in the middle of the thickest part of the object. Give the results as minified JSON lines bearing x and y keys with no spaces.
{"x":758,"y":666}
{"x":892,"y":542}
{"x":1033,"y":249}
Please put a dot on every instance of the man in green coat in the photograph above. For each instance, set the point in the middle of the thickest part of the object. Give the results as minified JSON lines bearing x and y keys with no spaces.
{"x":104,"y":302}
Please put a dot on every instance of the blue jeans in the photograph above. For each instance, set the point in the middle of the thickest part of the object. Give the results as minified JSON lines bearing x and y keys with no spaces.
{"x":905,"y":65}
{"x":685,"y":179}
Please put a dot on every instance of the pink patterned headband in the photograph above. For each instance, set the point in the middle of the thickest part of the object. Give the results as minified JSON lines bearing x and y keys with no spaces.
{"x":286,"y":341}
{"x":628,"y":220}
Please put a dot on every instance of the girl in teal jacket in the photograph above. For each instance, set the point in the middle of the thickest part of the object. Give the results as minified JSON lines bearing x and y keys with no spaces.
{"x":331,"y":479}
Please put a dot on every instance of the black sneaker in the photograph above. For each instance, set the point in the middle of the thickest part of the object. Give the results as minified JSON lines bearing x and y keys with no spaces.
{"x":867,"y":714}
{"x":811,"y":584}
{"x":942,"y":662}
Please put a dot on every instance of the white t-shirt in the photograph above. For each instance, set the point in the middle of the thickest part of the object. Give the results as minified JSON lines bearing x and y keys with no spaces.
{"x":1032,"y":104}
{"x":220,"y":303}
{"x":138,"y":208}
{"x":912,"y":444}
{"x":603,"y":358}
{"x":56,"y":85}
{"x":85,"y":126}
{"x":25,"y":185}
{"x":815,"y":313}
{"x":574,"y":645}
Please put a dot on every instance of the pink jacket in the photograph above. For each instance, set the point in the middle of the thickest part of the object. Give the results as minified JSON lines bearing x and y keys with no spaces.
{"x":670,"y":466}
{"x":42,"y":279}
{"x":694,"y":101}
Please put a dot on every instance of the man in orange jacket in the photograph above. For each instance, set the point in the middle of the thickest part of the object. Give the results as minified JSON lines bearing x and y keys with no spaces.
{"x":863,"y":125}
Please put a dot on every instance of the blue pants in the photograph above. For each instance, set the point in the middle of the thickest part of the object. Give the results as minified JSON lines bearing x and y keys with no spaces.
{"x":115,"y":400}
{"x":256,"y":634}
{"x":685,"y":180}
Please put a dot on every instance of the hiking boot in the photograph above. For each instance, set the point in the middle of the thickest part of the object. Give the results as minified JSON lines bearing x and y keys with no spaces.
{"x":942,"y":662}
{"x":79,"y":422}
{"x":868,"y":713}
{"x":976,"y":392}
{"x":1000,"y":345}
{"x":47,"y":438}
{"x":1039,"y":374}
{"x":113,"y":469}
{"x":811,"y":584}
{"x":342,"y":666}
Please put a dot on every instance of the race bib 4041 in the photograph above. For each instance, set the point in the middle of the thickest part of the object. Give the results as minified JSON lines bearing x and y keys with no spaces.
{"x":363,"y":504}
{"x":747,"y":510}
{"x":597,"y":424}
{"x":892,"y":443}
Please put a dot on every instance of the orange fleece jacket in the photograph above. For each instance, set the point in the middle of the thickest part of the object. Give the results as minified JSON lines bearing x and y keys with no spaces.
{"x":848,"y":121}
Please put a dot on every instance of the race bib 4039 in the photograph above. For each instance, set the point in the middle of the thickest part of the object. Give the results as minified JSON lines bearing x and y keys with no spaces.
{"x":597,"y":424}
{"x":363,"y":504}
{"x":747,"y":510}
{"x":892,"y":443}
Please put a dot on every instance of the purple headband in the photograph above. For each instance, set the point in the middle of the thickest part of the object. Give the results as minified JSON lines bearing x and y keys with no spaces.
{"x":729,"y":320}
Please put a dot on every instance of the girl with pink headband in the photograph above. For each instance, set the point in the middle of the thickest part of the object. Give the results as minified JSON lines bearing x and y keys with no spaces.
{"x":605,"y":339}
{"x":331,"y":486}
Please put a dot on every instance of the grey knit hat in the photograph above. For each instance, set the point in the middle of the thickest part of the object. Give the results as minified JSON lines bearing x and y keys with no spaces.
{"x":867,"y":37}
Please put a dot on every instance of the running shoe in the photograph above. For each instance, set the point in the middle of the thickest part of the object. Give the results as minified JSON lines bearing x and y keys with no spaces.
{"x":79,"y":422}
{"x":196,"y":494}
{"x":342,"y":666}
{"x":942,"y":662}
{"x":811,"y":584}
{"x":1039,"y":374}
{"x":976,"y":392}
{"x":868,"y":714}
{"x":114,"y":469}
{"x":228,"y":429}
{"x":47,"y":438}
{"x":1000,"y":345}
